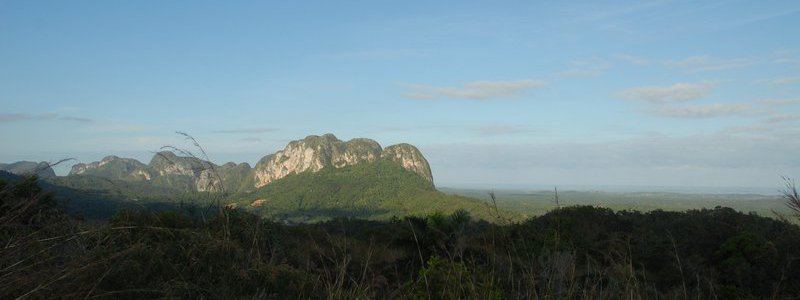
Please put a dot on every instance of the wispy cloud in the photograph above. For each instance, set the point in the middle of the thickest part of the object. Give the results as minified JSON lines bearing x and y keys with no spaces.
{"x":584,"y":69}
{"x":481,"y":131}
{"x":496,"y":130}
{"x":708,"y":63}
{"x":703,"y":111}
{"x":780,"y":102}
{"x":777,"y":13}
{"x":632,"y":59}
{"x":782,"y":118}
{"x":679,"y":92}
{"x":17,"y":117}
{"x":419,"y":128}
{"x":247,"y":130}
{"x":376,"y":54}
{"x":603,"y":13}
{"x":251,"y":139}
{"x":786,"y":57}
{"x":76,"y":119}
{"x":781,"y":80}
{"x":477,"y":90}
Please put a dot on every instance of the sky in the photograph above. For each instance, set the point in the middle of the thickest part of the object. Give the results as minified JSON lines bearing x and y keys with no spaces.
{"x":494,"y":93}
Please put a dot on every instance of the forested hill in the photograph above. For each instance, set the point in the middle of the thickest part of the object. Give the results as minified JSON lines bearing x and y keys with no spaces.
{"x":312,"y":179}
{"x":182,"y":170}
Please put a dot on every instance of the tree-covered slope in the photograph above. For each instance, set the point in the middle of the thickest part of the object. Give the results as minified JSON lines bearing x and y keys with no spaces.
{"x":98,"y":198}
{"x":376,"y":190}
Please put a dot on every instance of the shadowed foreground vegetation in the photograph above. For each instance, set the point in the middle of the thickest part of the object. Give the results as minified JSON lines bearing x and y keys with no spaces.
{"x":576,"y":252}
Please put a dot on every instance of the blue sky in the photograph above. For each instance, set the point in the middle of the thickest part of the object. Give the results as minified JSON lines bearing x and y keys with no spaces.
{"x":674,"y":93}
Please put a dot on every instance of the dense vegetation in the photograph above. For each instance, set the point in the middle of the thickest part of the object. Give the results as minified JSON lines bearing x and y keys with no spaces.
{"x":376,"y":190}
{"x":573,"y":252}
{"x":535,"y":203}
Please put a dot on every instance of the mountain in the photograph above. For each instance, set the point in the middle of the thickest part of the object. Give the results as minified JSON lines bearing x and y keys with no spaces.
{"x":113,"y":167}
{"x":376,"y":190}
{"x":314,"y":153}
{"x":166,"y":169}
{"x":311,"y":154}
{"x":24,"y":168}
{"x":311,"y":179}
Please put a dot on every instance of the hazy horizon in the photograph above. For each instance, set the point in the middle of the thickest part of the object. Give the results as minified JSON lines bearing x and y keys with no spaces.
{"x":619,"y":93}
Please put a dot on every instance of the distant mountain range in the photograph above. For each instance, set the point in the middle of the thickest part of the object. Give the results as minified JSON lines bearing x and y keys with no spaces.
{"x":23,"y":168}
{"x":310,"y":154}
{"x":312,"y":177}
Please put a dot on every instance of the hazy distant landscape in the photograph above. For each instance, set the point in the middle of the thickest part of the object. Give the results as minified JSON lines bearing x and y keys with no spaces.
{"x":621,"y":149}
{"x":321,"y":177}
{"x":537,"y":202}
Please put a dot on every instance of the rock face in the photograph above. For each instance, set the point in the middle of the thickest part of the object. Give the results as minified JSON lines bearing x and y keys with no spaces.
{"x":26,"y":168}
{"x":310,"y":154}
{"x":113,"y":167}
{"x":168,"y":169}
{"x":410,"y":158}
{"x":167,"y":164}
{"x":313,"y":153}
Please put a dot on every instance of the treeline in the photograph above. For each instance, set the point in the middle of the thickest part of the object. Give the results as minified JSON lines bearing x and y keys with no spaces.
{"x":570,"y":253}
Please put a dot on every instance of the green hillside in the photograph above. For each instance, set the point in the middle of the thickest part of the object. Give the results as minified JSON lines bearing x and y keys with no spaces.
{"x":379,"y":190}
{"x":113,"y":167}
{"x":97,"y":198}
{"x":376,"y":190}
{"x":535,"y":203}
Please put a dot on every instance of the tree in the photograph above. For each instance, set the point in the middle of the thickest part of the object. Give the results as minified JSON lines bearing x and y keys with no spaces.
{"x":791,"y":196}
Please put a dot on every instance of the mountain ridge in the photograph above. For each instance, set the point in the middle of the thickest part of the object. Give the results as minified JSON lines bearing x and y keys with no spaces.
{"x":310,"y":154}
{"x":24,"y":168}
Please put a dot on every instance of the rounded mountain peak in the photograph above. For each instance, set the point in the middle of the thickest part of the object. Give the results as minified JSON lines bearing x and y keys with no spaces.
{"x":314,"y":152}
{"x":410,"y":158}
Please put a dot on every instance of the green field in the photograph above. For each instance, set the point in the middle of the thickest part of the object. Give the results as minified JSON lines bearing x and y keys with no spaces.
{"x":535,"y":203}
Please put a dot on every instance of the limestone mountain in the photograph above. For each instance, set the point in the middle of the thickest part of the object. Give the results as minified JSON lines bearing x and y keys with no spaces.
{"x":113,"y":167}
{"x":410,"y":158}
{"x":311,"y":154}
{"x":168,"y":170}
{"x":312,"y":179}
{"x":173,"y":169}
{"x":24,"y":168}
{"x":314,"y":153}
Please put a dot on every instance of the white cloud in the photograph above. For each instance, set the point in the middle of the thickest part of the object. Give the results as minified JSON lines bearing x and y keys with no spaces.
{"x":679,"y":92}
{"x":703,"y":111}
{"x":632,"y":59}
{"x":786,"y":57}
{"x":375,"y":54}
{"x":251,"y":139}
{"x":584,"y":69}
{"x":495,"y":130}
{"x":580,"y":72}
{"x":707,"y":63}
{"x":16,"y":117}
{"x":780,"y":102}
{"x":781,"y":80}
{"x":247,"y":130}
{"x":477,"y":90}
{"x":782,"y":118}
